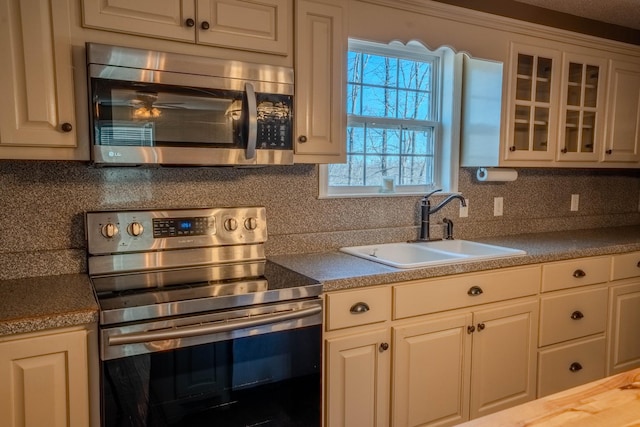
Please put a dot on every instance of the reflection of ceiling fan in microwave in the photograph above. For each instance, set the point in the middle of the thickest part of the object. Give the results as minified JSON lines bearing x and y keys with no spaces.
{"x":148,"y":104}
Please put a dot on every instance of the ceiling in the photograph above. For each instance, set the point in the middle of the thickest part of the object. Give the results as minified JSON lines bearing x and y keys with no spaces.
{"x":625,"y":13}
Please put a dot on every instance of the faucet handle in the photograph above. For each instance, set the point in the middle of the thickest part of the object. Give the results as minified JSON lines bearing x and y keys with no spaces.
{"x":432,"y":193}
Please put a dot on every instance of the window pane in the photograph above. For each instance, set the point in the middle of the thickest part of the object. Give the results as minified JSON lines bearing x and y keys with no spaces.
{"x":381,"y":140}
{"x":353,"y":99}
{"x":378,"y":102}
{"x":416,"y":171}
{"x":380,"y":166}
{"x":418,"y":142}
{"x":355,"y":139}
{"x":414,"y":105}
{"x":348,"y":174}
{"x":380,"y":70}
{"x":353,"y":67}
{"x":414,"y":75}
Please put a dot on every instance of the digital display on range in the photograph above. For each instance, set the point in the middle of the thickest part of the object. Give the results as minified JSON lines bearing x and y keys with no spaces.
{"x":175,"y":227}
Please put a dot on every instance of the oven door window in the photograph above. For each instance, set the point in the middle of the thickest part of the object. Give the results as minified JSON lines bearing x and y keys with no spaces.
{"x":267,"y":380}
{"x":140,"y":114}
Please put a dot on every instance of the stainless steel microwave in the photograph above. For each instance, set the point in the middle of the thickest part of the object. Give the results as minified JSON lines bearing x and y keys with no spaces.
{"x":159,"y":108}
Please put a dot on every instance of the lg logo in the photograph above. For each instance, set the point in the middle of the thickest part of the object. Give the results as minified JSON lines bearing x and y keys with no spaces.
{"x":114,"y":154}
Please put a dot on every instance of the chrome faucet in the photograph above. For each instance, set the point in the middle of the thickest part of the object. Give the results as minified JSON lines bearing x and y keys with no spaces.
{"x":426,"y":211}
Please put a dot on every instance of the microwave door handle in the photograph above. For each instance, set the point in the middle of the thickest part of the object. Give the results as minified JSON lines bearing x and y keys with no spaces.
{"x":252,"y":109}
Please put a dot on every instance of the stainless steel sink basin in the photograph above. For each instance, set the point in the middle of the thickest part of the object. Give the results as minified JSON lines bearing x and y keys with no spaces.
{"x":425,"y":254}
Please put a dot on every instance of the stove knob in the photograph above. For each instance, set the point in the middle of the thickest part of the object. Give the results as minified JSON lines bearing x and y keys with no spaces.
{"x":109,"y":230}
{"x":230,"y":224}
{"x":250,"y":224}
{"x":135,"y":229}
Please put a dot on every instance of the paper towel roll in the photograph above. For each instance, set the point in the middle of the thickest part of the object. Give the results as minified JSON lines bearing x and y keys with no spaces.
{"x":496,"y":175}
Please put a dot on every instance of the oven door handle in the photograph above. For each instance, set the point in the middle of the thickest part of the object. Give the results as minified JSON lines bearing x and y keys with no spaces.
{"x":252,"y":109}
{"x":192,"y":331}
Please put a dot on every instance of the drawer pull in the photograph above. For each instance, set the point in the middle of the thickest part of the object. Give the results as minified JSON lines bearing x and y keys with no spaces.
{"x":474,"y":291}
{"x":384,"y":347}
{"x":577,"y":315}
{"x":359,"y":308}
{"x":579,"y":274}
{"x":575,"y":367}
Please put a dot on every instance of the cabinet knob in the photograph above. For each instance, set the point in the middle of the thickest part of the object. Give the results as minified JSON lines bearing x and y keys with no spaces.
{"x":359,"y":308}
{"x":204,"y":25}
{"x":189,"y":22}
{"x":474,"y":291}
{"x":579,"y":274}
{"x":302,"y":138}
{"x":471,"y":329}
{"x":564,"y":150}
{"x":575,"y":367}
{"x":577,"y":315}
{"x":481,"y":327}
{"x":609,"y":151}
{"x":638,"y":264}
{"x":384,"y":347}
{"x":66,"y":127}
{"x":512,"y":148}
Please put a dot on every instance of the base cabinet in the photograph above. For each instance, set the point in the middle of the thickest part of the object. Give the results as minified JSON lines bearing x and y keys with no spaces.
{"x":45,"y":380}
{"x":448,"y":370}
{"x":624,"y":342}
{"x":357,"y":386}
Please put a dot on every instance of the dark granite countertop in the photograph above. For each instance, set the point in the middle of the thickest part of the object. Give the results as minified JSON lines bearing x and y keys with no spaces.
{"x":38,"y":303}
{"x":337,"y":270}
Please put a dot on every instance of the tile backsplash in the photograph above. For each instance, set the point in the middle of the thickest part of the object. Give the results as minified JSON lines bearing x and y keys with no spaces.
{"x":43,"y":205}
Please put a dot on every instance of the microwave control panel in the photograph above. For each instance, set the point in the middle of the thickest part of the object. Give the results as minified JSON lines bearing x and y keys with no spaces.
{"x":274,"y":122}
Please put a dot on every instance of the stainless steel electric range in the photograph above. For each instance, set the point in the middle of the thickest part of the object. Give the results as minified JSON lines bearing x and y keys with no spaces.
{"x":197,"y":327}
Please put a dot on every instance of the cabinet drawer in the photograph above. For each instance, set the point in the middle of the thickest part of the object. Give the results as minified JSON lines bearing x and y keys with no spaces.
{"x":572,"y":315}
{"x":625,"y":266}
{"x":579,"y":272}
{"x":570,"y":365}
{"x":423,"y":297}
{"x":359,"y":307}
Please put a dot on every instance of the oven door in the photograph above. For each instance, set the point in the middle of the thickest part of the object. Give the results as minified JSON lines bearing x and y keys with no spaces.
{"x":257,"y":368}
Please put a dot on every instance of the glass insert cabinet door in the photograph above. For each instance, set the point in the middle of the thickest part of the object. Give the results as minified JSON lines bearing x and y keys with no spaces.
{"x":533,"y":103}
{"x":582,"y":108}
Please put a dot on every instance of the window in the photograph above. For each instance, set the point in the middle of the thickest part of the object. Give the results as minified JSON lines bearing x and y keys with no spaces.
{"x":395,"y":130}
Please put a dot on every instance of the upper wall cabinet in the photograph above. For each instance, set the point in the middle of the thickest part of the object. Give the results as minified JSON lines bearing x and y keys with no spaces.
{"x":623,"y":124}
{"x":37,"y":112}
{"x":562,"y":109}
{"x":320,"y":62}
{"x":582,"y":108}
{"x":532,"y":103}
{"x":256,"y":26}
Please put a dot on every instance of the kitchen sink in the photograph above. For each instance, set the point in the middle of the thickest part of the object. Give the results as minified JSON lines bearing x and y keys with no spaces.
{"x":427,"y":254}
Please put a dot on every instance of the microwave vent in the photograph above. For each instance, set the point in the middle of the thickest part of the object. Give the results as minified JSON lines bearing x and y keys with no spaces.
{"x":126,"y":134}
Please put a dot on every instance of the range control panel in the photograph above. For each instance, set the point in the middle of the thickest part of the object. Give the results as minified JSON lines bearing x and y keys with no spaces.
{"x":110,"y":232}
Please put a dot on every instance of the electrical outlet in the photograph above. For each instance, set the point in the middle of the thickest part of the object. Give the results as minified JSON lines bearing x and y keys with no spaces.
{"x":464,"y":210}
{"x":575,"y":201}
{"x":498,"y":204}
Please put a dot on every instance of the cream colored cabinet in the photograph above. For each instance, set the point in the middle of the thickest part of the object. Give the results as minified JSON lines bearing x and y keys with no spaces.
{"x":573,"y":322}
{"x":431,"y":371}
{"x":357,"y":386}
{"x":532,"y":103}
{"x":44,"y":379}
{"x":582,"y":110}
{"x":357,"y":357}
{"x":320,"y":62}
{"x":623,"y":115}
{"x":464,"y":357}
{"x":503,"y":372}
{"x":37,"y":113}
{"x":256,"y":26}
{"x":447,"y":370}
{"x":624,"y":313}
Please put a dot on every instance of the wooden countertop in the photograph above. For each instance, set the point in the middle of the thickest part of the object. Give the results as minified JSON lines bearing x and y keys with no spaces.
{"x":610,"y":402}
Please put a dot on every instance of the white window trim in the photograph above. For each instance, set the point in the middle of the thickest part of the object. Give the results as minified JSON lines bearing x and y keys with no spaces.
{"x":448,"y":132}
